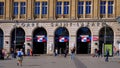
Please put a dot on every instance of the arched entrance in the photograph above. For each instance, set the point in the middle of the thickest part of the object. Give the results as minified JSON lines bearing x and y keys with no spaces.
{"x":61,"y":39}
{"x":106,"y":37}
{"x":18,"y":39}
{"x":1,"y":39}
{"x":83,"y":41}
{"x":39,"y":41}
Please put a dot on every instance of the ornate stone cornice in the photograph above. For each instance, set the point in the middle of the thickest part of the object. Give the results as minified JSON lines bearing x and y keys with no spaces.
{"x":50,"y":21}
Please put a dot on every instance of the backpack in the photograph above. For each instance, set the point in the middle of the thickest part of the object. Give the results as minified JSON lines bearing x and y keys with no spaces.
{"x":19,"y":54}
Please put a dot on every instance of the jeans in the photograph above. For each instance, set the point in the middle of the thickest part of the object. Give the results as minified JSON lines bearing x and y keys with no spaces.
{"x":72,"y":56}
{"x":106,"y":59}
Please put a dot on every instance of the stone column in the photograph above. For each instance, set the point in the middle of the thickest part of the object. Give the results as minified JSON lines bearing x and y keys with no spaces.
{"x":50,"y":39}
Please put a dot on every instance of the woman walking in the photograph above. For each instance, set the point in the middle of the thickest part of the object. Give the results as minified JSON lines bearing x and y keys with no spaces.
{"x":72,"y":53}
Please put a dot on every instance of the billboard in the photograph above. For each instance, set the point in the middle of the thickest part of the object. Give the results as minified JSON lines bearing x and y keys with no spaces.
{"x":108,"y":46}
{"x":63,"y":39}
{"x":85,"y":38}
{"x":41,"y":38}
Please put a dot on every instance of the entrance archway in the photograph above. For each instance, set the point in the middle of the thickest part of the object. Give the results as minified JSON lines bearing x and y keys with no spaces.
{"x":39,"y":41}
{"x":106,"y":37}
{"x":61,"y":39}
{"x":1,"y":39}
{"x":83,"y":41}
{"x":18,"y":39}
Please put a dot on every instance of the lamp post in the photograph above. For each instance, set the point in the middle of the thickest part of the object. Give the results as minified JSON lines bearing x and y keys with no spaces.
{"x":118,"y":20}
{"x":105,"y":25}
{"x":15,"y":35}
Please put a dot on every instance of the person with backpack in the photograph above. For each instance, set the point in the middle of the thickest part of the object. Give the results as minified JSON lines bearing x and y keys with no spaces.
{"x":19,"y":57}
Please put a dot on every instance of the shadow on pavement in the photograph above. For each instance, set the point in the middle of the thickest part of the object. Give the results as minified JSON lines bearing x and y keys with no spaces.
{"x":78,"y":63}
{"x":32,"y":65}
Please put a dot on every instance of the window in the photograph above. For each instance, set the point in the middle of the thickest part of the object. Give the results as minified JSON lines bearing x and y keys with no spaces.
{"x":15,"y":12}
{"x":110,"y":7}
{"x":80,"y":7}
{"x":66,"y":7}
{"x":22,"y":8}
{"x":44,"y":7}
{"x":102,"y":7}
{"x":88,"y":7}
{"x":1,"y":8}
{"x":59,"y":8}
{"x":37,"y":8}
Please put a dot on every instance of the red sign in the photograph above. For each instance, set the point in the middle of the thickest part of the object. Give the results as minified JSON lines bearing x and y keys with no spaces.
{"x":28,"y":38}
{"x":95,"y":38}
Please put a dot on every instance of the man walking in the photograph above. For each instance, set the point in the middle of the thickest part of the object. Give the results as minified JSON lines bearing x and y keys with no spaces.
{"x":107,"y":55}
{"x":19,"y":57}
{"x":66,"y":52}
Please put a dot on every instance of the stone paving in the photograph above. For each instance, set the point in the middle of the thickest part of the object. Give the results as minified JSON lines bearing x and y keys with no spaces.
{"x":61,"y":62}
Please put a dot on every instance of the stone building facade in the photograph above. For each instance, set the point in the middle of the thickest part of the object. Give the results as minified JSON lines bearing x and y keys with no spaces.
{"x":33,"y":23}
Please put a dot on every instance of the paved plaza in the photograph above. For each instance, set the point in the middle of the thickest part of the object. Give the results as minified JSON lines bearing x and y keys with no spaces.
{"x":61,"y":62}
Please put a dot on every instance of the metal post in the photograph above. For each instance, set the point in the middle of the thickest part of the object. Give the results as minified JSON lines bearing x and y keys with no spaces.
{"x":15,"y":36}
{"x":104,"y":38}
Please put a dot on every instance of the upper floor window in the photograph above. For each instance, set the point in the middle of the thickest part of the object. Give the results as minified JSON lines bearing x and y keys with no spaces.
{"x":59,"y":8}
{"x":44,"y":7}
{"x":1,"y":8}
{"x":15,"y":12}
{"x":102,"y":7}
{"x":22,"y":8}
{"x":88,"y":7}
{"x":110,"y":7}
{"x":37,"y":8}
{"x":80,"y":7}
{"x":66,"y":7}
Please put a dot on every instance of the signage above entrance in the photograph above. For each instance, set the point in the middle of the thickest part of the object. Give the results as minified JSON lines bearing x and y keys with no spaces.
{"x":28,"y":38}
{"x":95,"y":38}
{"x":63,"y":39}
{"x":85,"y":38}
{"x":41,"y":38}
{"x":62,"y":24}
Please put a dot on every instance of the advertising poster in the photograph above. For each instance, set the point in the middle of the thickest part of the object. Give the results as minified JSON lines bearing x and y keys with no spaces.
{"x":108,"y":46}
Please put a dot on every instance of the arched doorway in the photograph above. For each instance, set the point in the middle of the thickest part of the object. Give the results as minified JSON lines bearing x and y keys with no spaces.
{"x":1,"y":39}
{"x":106,"y":37}
{"x":18,"y":39}
{"x":39,"y":41}
{"x":61,"y":39}
{"x":83,"y":41}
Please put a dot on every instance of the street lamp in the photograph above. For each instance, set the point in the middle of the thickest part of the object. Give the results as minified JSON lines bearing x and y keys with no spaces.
{"x":105,"y":25}
{"x":15,"y":35}
{"x":118,"y":20}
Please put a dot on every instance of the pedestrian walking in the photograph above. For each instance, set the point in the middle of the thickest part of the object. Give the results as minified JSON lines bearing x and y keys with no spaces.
{"x":107,"y":55}
{"x":19,"y":57}
{"x":12,"y":53}
{"x":31,"y":52}
{"x":56,"y":52}
{"x":28,"y":52}
{"x":72,"y":53}
{"x":96,"y":52}
{"x":66,"y":52}
{"x":1,"y":54}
